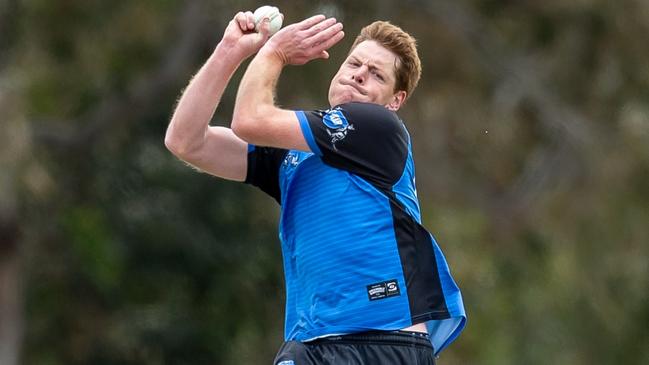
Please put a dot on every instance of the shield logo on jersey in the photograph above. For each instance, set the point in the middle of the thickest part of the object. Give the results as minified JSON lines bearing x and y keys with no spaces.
{"x":337,"y":125}
{"x":335,"y":119}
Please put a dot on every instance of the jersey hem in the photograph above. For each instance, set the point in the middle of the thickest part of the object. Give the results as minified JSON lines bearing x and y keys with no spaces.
{"x":434,"y":315}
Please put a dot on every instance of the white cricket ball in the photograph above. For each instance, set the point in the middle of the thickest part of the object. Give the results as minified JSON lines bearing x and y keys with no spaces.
{"x":270,"y":12}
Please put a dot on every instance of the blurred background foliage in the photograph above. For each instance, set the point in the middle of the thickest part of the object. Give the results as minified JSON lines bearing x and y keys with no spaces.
{"x":531,"y":135}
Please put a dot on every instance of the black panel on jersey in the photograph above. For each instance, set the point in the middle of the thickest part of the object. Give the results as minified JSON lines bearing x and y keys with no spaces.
{"x":373,"y":145}
{"x":419,"y":266}
{"x":263,"y":170}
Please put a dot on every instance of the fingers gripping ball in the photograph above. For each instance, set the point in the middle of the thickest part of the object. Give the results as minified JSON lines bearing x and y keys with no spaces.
{"x":270,"y":12}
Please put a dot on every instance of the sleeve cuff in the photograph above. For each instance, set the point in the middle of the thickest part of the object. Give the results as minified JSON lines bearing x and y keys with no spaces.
{"x":307,"y":133}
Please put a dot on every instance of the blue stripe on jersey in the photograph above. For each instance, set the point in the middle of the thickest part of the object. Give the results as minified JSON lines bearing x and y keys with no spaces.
{"x":308,"y":134}
{"x":251,"y":147}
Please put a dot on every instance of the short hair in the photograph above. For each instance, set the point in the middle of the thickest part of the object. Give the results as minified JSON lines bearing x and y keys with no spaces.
{"x":403,"y":45}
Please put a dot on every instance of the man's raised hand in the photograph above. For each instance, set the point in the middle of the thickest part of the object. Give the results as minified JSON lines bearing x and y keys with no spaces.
{"x":302,"y":42}
{"x":240,"y":34}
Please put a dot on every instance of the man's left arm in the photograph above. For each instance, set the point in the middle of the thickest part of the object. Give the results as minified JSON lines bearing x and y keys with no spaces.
{"x":257,"y":120}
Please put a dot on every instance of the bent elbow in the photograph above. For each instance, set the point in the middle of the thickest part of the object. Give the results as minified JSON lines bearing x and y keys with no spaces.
{"x":244,"y":127}
{"x":179,"y":148}
{"x":251,"y":124}
{"x":173,"y":142}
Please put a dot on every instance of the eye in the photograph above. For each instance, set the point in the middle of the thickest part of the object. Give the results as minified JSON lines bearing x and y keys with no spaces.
{"x":354,"y":63}
{"x":378,"y":75}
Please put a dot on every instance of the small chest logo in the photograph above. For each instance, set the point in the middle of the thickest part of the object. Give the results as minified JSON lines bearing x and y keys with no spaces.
{"x":383,"y":290}
{"x":291,"y":159}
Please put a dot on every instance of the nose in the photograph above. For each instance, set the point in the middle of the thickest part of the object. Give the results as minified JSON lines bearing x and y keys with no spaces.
{"x":360,"y":74}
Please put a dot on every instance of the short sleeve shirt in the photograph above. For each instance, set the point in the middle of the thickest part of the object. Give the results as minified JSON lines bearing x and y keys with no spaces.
{"x":356,"y":256}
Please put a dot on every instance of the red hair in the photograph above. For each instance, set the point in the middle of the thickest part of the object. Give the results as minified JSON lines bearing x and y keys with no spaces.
{"x":403,"y":45}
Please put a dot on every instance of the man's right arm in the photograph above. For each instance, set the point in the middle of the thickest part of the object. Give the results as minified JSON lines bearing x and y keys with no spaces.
{"x":215,"y":150}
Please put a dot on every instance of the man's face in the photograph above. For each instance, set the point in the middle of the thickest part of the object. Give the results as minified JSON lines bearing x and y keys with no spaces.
{"x":367,"y":75}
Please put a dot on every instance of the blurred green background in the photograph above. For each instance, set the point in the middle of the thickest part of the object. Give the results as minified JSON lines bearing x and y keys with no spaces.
{"x":531,"y":136}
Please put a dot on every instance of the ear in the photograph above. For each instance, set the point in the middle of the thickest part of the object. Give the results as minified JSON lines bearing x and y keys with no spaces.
{"x":397,"y":100}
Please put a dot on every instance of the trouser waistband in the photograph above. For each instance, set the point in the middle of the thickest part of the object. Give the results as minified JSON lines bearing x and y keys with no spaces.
{"x":380,"y":337}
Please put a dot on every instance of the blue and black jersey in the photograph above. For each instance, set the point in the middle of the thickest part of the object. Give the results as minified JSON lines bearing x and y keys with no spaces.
{"x":356,"y":256}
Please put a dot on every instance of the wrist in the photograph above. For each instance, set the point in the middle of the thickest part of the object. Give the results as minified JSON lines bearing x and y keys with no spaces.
{"x":228,"y":52}
{"x":273,"y":54}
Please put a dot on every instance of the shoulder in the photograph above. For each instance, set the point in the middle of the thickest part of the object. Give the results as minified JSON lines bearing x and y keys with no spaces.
{"x":361,"y":119}
{"x":368,"y":111}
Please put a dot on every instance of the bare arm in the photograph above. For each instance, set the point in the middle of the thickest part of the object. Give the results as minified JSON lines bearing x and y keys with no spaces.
{"x":256,"y":118}
{"x":215,"y":150}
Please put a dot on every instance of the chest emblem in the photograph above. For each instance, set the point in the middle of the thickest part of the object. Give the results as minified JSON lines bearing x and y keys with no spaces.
{"x":291,"y":159}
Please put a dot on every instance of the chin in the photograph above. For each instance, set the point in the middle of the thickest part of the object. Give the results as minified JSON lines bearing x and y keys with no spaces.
{"x":348,"y":98}
{"x":341,"y":100}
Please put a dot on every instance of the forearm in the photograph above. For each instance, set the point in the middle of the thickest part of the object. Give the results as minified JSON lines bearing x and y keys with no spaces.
{"x":196,"y":107}
{"x":256,"y":95}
